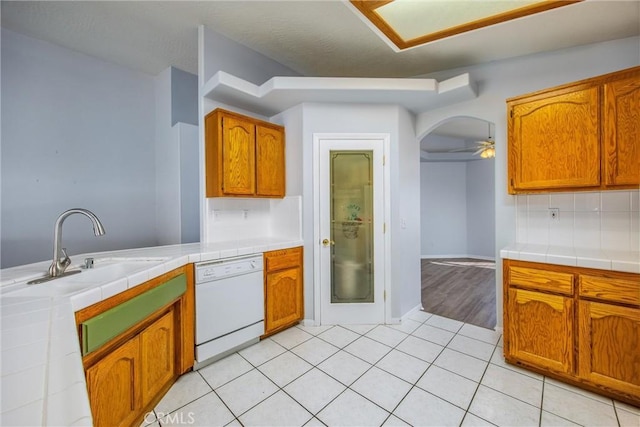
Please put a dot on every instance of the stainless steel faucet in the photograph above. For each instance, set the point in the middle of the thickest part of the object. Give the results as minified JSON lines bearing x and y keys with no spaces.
{"x":60,"y":258}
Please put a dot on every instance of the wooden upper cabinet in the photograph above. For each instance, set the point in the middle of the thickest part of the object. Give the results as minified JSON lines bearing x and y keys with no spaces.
{"x":554,"y":141}
{"x":238,"y":156}
{"x":621,"y":132}
{"x":270,"y":162}
{"x":579,"y":136}
{"x":244,"y":157}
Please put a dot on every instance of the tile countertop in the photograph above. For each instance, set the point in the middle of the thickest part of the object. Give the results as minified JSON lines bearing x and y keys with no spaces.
{"x":626,"y":261}
{"x":42,"y":377}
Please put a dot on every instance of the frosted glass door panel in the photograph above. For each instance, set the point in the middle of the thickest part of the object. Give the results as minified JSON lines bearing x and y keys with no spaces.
{"x":351,"y":210}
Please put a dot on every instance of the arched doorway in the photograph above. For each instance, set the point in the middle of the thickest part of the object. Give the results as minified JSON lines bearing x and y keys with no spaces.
{"x":458,"y":221}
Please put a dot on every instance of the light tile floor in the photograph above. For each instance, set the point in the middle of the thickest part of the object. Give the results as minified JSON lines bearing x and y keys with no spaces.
{"x":429,"y":371}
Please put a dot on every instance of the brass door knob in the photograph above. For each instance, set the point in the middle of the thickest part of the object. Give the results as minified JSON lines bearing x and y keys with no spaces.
{"x":327,"y":242}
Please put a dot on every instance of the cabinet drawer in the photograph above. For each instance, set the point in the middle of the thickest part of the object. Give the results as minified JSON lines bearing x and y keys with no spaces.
{"x":626,"y":291}
{"x":286,"y":258}
{"x":553,"y":281}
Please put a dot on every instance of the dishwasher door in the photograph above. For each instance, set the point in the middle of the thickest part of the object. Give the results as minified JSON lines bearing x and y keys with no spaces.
{"x":228,"y":305}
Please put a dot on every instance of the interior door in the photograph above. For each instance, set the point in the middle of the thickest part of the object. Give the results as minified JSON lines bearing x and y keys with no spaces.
{"x":351,"y":221}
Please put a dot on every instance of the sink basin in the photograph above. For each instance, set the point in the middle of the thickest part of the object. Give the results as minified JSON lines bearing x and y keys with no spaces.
{"x":104,"y":270}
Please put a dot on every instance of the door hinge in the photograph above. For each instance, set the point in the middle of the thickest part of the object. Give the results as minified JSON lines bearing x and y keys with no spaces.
{"x":384,"y":295}
{"x":384,"y":227}
{"x":384,"y":160}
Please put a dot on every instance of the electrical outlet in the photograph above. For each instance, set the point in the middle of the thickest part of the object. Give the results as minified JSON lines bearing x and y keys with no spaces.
{"x":554,"y":214}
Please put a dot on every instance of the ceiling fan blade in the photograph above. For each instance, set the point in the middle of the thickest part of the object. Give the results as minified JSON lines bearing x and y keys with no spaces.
{"x":458,"y":150}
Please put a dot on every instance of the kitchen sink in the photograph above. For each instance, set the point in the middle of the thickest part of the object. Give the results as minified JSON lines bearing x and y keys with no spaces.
{"x":104,"y":270}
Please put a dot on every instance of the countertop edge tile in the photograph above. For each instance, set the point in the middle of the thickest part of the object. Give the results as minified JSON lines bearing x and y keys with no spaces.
{"x":26,"y":381}
{"x":626,"y":267}
{"x":562,"y":260}
{"x":26,"y":415}
{"x":613,"y":260}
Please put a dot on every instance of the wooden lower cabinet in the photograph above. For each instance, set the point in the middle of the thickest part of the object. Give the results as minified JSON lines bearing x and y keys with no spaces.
{"x":128,"y":374}
{"x":157,"y":352}
{"x":284,"y":295}
{"x":577,"y":325}
{"x":541,"y":329}
{"x":609,"y":346}
{"x":114,"y":386}
{"x":126,"y":381}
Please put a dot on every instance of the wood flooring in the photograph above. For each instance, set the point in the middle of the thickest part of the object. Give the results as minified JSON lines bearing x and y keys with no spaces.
{"x":460,"y":288}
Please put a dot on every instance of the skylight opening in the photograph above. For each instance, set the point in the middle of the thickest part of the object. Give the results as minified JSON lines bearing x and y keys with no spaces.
{"x":409,"y":23}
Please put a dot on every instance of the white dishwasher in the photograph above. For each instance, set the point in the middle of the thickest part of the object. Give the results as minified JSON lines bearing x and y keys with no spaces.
{"x":229,"y":305}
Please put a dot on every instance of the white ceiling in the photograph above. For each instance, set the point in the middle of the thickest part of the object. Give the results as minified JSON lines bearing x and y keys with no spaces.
{"x":314,"y":38}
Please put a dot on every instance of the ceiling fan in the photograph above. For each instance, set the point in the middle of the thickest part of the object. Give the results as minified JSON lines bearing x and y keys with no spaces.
{"x":485,"y":148}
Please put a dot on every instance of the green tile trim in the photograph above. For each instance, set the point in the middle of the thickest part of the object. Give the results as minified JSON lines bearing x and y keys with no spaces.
{"x":105,"y":326}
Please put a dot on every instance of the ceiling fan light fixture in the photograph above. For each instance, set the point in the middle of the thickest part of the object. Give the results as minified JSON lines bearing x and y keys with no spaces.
{"x":488,"y":153}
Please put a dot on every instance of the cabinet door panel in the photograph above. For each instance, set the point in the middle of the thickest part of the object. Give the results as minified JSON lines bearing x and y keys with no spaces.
{"x":284,"y":298}
{"x":270,"y":166}
{"x":622,"y":132}
{"x":238,"y":156}
{"x":114,"y":386}
{"x":554,"y":142}
{"x":609,"y":346}
{"x":541,"y":329}
{"x":158,"y":356}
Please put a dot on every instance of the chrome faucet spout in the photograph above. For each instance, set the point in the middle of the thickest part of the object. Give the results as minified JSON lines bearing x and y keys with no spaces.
{"x":60,"y":258}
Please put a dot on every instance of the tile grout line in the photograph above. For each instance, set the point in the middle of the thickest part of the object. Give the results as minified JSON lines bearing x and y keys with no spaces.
{"x":348,"y":387}
{"x":478,"y":387}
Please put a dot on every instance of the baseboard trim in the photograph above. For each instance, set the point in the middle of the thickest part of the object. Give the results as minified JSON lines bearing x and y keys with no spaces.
{"x":410,"y":312}
{"x":309,"y":322}
{"x":485,"y":258}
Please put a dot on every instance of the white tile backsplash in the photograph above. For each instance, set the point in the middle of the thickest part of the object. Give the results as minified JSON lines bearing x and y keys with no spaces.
{"x":562,"y":201}
{"x":586,"y":232}
{"x":239,"y":219}
{"x":591,"y":220}
{"x":561,"y":230}
{"x":586,"y":202}
{"x":615,"y":201}
{"x":539,"y":227}
{"x":634,"y":235}
{"x":538,"y":202}
{"x":615,"y":230}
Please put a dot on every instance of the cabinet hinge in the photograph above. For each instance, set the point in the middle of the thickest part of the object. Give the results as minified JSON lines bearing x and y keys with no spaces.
{"x":384,"y":295}
{"x":384,"y":160}
{"x":384,"y":227}
{"x":511,"y":113}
